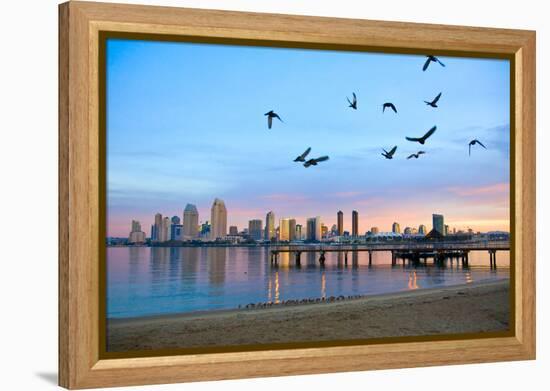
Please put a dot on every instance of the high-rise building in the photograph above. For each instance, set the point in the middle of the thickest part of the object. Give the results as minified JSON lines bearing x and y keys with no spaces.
{"x":270,"y":226}
{"x":158,"y":228}
{"x":165,"y":229}
{"x":176,"y":229}
{"x":354,"y":223}
{"x":340,"y":222}
{"x":334,"y":230}
{"x":314,"y":228}
{"x":233,"y":230}
{"x":137,"y":236}
{"x":438,"y":223}
{"x":291,"y":229}
{"x":298,"y":231}
{"x":374,"y":230}
{"x":284,"y":230}
{"x":407,"y":231}
{"x":395,"y":228}
{"x":446,"y":230}
{"x":255,"y":229}
{"x":422,"y":229}
{"x":324,"y":231}
{"x":219,"y":219}
{"x":190,"y":222}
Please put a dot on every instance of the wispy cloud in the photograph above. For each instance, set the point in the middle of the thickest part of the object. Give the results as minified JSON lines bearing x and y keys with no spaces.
{"x":493,"y":189}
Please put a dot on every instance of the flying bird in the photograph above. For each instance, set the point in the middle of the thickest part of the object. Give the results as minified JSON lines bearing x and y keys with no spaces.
{"x":430,"y":60}
{"x":415,"y":155}
{"x":390,"y":105}
{"x":270,"y":115}
{"x":302,"y":157}
{"x":474,"y":142}
{"x":353,"y":103}
{"x":389,"y":155}
{"x":423,"y":139}
{"x":433,"y":103}
{"x":313,"y":162}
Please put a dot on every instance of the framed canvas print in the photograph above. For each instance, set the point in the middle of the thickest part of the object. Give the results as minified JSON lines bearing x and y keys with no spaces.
{"x":247,"y":195}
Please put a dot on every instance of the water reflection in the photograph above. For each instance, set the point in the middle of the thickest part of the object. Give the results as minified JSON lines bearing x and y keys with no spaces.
{"x":148,"y":281}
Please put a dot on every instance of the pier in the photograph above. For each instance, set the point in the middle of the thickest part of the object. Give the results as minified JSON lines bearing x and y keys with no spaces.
{"x":416,"y":253}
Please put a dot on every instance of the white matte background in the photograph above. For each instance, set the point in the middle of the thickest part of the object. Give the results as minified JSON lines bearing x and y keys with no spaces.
{"x":28,"y":161}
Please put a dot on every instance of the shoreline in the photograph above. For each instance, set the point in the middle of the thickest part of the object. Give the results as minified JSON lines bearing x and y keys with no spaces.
{"x":467,"y":308}
{"x":282,"y":306}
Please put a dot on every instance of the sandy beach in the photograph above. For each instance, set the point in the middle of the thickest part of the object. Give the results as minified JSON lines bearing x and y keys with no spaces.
{"x":472,"y":308}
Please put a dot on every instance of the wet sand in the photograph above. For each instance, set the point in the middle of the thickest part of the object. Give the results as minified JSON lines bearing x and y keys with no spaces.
{"x":472,"y":308}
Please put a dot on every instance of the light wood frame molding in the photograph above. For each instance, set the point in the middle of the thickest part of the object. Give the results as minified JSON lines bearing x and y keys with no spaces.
{"x":80,"y":364}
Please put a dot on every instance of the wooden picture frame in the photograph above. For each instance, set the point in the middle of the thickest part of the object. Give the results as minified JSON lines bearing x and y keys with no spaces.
{"x":81,"y":364}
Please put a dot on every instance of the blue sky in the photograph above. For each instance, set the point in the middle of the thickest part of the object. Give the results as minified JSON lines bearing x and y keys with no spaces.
{"x":185,"y":124}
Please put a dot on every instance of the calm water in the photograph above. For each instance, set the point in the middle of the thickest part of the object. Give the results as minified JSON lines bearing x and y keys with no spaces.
{"x":152,"y":281}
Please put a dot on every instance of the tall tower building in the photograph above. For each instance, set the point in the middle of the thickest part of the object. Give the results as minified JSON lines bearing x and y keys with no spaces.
{"x":190,"y":221}
{"x":340,"y":220}
{"x":137,"y":236}
{"x":270,"y":226}
{"x":175,"y":228}
{"x":284,"y":230}
{"x":291,"y":229}
{"x":299,"y":231}
{"x":255,"y":229}
{"x":218,"y":219}
{"x":396,"y":228}
{"x":314,"y":228}
{"x":422,"y":229}
{"x":438,"y":223}
{"x":165,"y":229}
{"x":354,"y":223}
{"x":158,"y":228}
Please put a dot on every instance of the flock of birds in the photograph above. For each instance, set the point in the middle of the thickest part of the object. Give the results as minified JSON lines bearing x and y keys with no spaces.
{"x":387,"y":105}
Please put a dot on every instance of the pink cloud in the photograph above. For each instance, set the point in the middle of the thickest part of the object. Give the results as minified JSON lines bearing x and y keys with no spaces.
{"x":495,"y":189}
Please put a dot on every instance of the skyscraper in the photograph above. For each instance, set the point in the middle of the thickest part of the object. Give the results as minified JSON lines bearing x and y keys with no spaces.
{"x":291,"y":229}
{"x":407,"y":231}
{"x":137,"y":236}
{"x":422,"y":229}
{"x":284,"y":230}
{"x":233,"y":230}
{"x":219,"y":219}
{"x":324,"y":231}
{"x":438,"y":223}
{"x":314,"y":228}
{"x":299,"y":231}
{"x":340,"y":220}
{"x":255,"y":229}
{"x":374,"y":230}
{"x":190,"y":221}
{"x":354,"y":223}
{"x":446,"y":230}
{"x":395,"y":228}
{"x":175,"y":228}
{"x":165,"y":229}
{"x":270,"y":226}
{"x":158,"y":228}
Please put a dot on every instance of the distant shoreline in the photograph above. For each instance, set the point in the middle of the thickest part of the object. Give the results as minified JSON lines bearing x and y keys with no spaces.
{"x":467,"y":308}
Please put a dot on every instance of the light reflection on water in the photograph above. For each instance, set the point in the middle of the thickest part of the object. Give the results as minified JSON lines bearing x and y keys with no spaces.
{"x":150,"y":281}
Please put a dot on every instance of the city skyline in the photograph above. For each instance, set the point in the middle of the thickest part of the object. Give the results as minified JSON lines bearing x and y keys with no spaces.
{"x":288,"y":228}
{"x":165,"y":148}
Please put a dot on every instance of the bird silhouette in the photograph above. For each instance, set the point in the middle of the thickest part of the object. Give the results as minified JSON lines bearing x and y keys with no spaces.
{"x":430,"y":60}
{"x":353,"y":103}
{"x":389,"y":155}
{"x":415,"y":155}
{"x":423,"y":139}
{"x":474,"y":142}
{"x":270,"y":115}
{"x":313,"y":162}
{"x":390,"y":105}
{"x":302,"y":157}
{"x":433,"y":103}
